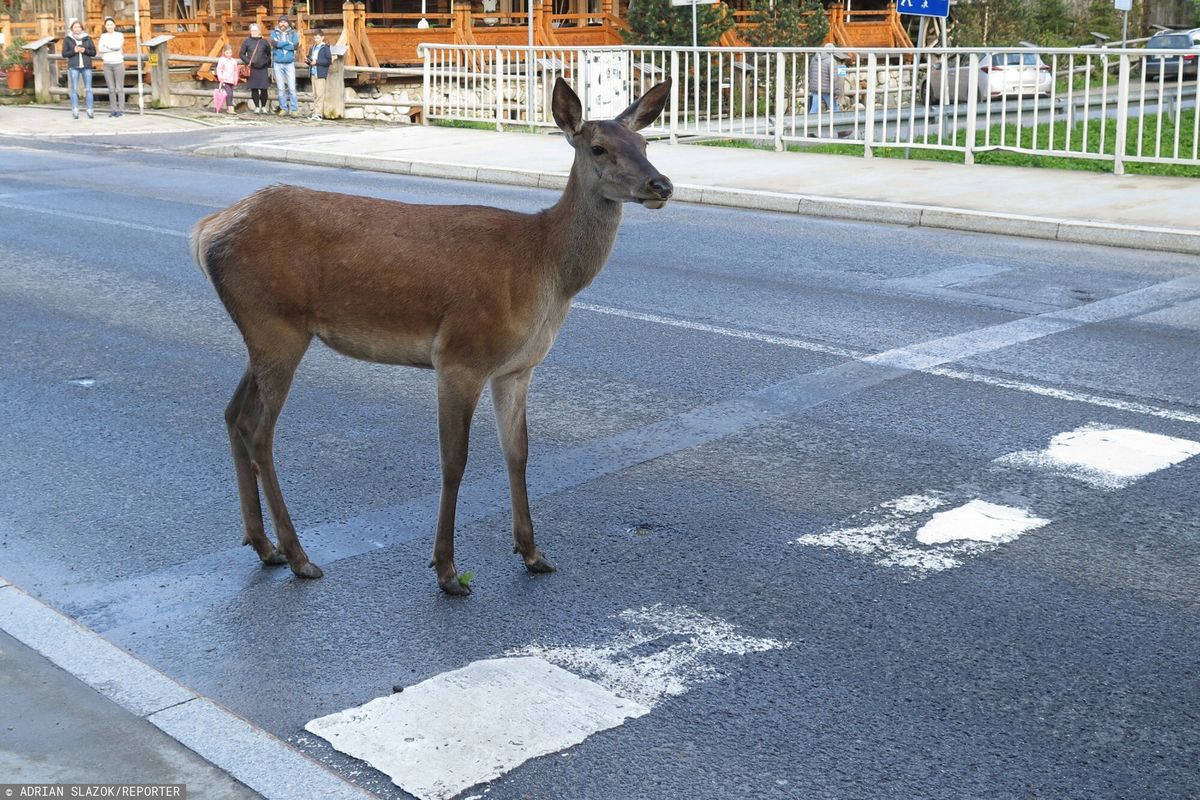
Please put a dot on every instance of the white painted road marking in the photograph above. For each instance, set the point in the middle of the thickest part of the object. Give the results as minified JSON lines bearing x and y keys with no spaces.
{"x":466,"y":727}
{"x":1026,"y":387}
{"x":1105,"y":457}
{"x":892,"y":533}
{"x":472,"y":725}
{"x":979,"y":521}
{"x":649,"y":677}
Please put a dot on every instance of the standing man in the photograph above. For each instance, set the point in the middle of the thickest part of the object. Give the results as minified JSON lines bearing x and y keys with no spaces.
{"x":319,"y":59}
{"x":284,"y":42}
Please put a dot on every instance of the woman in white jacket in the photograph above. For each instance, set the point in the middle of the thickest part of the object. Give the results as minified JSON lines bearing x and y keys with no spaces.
{"x":112,"y":53}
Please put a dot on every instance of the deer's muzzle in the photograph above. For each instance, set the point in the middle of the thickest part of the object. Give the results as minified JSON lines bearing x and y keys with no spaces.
{"x":660,"y":190}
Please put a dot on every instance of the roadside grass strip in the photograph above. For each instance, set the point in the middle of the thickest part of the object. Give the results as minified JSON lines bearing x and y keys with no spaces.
{"x":472,"y":725}
{"x":1106,"y":457}
{"x":904,"y":535}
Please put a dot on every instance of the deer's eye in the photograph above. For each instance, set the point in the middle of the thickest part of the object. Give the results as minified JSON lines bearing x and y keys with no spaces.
{"x":597,"y":150}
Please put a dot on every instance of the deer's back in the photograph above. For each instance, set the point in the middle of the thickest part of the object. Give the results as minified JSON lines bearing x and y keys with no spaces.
{"x":367,"y":274}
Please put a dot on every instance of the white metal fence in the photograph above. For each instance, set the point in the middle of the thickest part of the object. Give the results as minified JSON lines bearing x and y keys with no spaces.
{"x":1118,"y":105}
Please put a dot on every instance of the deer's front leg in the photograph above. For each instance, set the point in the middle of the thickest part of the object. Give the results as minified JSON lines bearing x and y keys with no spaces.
{"x":508,"y":394}
{"x":458,"y":393}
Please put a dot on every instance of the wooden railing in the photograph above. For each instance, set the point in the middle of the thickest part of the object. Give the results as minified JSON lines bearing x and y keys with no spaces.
{"x":867,"y":29}
{"x":372,"y":39}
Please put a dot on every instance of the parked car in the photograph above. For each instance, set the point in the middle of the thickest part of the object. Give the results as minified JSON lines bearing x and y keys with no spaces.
{"x":1172,"y":66}
{"x":1000,"y":74}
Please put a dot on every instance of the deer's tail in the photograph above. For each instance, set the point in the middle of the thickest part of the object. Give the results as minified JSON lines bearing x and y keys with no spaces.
{"x":199,"y":241}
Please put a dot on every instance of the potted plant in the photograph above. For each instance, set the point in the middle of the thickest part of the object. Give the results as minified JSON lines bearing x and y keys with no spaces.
{"x":12,"y":59}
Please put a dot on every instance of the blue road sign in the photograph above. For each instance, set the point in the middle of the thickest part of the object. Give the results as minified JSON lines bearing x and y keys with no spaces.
{"x":924,"y":8}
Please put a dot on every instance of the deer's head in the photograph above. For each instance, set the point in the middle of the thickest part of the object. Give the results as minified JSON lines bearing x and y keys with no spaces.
{"x":610,"y":155}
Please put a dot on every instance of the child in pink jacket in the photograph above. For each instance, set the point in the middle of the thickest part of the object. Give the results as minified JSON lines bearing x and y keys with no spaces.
{"x":227,"y":75}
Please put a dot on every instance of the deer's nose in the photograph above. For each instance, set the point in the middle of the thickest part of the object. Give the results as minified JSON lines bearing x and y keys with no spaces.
{"x":661,"y":186}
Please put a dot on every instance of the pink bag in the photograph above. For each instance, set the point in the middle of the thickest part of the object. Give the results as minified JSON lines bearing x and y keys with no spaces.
{"x":219,"y":98}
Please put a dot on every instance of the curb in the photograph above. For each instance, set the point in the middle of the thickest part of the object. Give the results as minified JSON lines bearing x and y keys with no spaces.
{"x":1172,"y":240}
{"x":241,"y":749}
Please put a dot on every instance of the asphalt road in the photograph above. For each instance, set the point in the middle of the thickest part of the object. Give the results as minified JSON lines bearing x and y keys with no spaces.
{"x":713,"y":401}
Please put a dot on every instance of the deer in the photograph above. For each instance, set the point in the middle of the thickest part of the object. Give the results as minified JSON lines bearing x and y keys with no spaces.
{"x":478,"y":295}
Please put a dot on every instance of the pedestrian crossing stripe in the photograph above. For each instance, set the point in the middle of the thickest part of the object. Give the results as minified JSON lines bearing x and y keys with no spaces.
{"x":897,"y":534}
{"x":469,"y":726}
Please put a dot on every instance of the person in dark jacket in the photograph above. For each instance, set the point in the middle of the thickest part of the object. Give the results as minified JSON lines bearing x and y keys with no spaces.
{"x":284,"y":44}
{"x":319,"y":59}
{"x":79,"y":50}
{"x":255,"y":53}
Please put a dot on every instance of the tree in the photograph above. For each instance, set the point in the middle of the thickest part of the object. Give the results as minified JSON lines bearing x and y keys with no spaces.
{"x":1050,"y":24}
{"x":788,"y":23}
{"x":657,"y":22}
{"x":984,"y":23}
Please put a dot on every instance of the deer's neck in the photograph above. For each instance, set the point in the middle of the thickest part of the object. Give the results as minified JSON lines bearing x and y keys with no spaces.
{"x":581,"y":229}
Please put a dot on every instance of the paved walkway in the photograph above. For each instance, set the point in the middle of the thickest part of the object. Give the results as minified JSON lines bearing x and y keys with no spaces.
{"x":79,"y":710}
{"x":1141,"y":211}
{"x":59,"y":730}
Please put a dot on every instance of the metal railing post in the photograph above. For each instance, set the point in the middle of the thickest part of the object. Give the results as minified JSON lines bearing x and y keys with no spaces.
{"x":427,"y":90}
{"x":530,"y":108}
{"x":1122,"y":116}
{"x":498,"y":77}
{"x":869,"y":133}
{"x":972,"y":108}
{"x":674,"y":97}
{"x":780,"y":101}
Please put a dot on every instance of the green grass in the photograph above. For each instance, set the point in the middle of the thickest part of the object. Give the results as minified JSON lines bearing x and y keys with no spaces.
{"x":481,"y":126}
{"x":1024,"y":138}
{"x":462,"y":123}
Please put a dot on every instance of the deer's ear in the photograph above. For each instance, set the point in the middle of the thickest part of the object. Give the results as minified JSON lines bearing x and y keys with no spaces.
{"x":568,"y":111}
{"x":646,"y":108}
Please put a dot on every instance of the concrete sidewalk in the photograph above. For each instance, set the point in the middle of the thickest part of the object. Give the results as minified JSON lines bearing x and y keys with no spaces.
{"x":79,"y":710}
{"x":1139,"y":211}
{"x":59,"y":730}
{"x":1149,"y":212}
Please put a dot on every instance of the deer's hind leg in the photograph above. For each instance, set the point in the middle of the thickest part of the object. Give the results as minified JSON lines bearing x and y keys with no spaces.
{"x":458,"y":394}
{"x":238,"y":415}
{"x":275,"y":351}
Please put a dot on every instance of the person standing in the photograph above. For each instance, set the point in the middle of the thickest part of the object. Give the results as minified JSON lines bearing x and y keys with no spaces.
{"x":284,"y":42}
{"x":79,"y":50}
{"x":822,"y":78}
{"x":112,"y":53}
{"x":319,"y":59}
{"x":255,"y":53}
{"x":227,"y":75}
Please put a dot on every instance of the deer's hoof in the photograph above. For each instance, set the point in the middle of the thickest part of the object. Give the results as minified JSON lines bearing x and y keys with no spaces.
{"x":307,"y":569}
{"x":274,"y":559}
{"x":540,"y":566}
{"x":454,"y":587}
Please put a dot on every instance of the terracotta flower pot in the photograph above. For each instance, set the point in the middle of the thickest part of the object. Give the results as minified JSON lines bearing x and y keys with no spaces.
{"x":16,"y":79}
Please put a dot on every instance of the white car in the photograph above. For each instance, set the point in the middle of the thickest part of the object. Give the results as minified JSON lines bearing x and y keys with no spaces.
{"x":1000,"y":74}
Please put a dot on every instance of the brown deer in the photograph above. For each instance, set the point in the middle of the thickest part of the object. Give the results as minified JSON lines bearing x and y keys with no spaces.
{"x":477,"y":294}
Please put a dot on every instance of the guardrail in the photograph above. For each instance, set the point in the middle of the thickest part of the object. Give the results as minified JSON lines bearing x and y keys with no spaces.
{"x":1117,"y":105}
